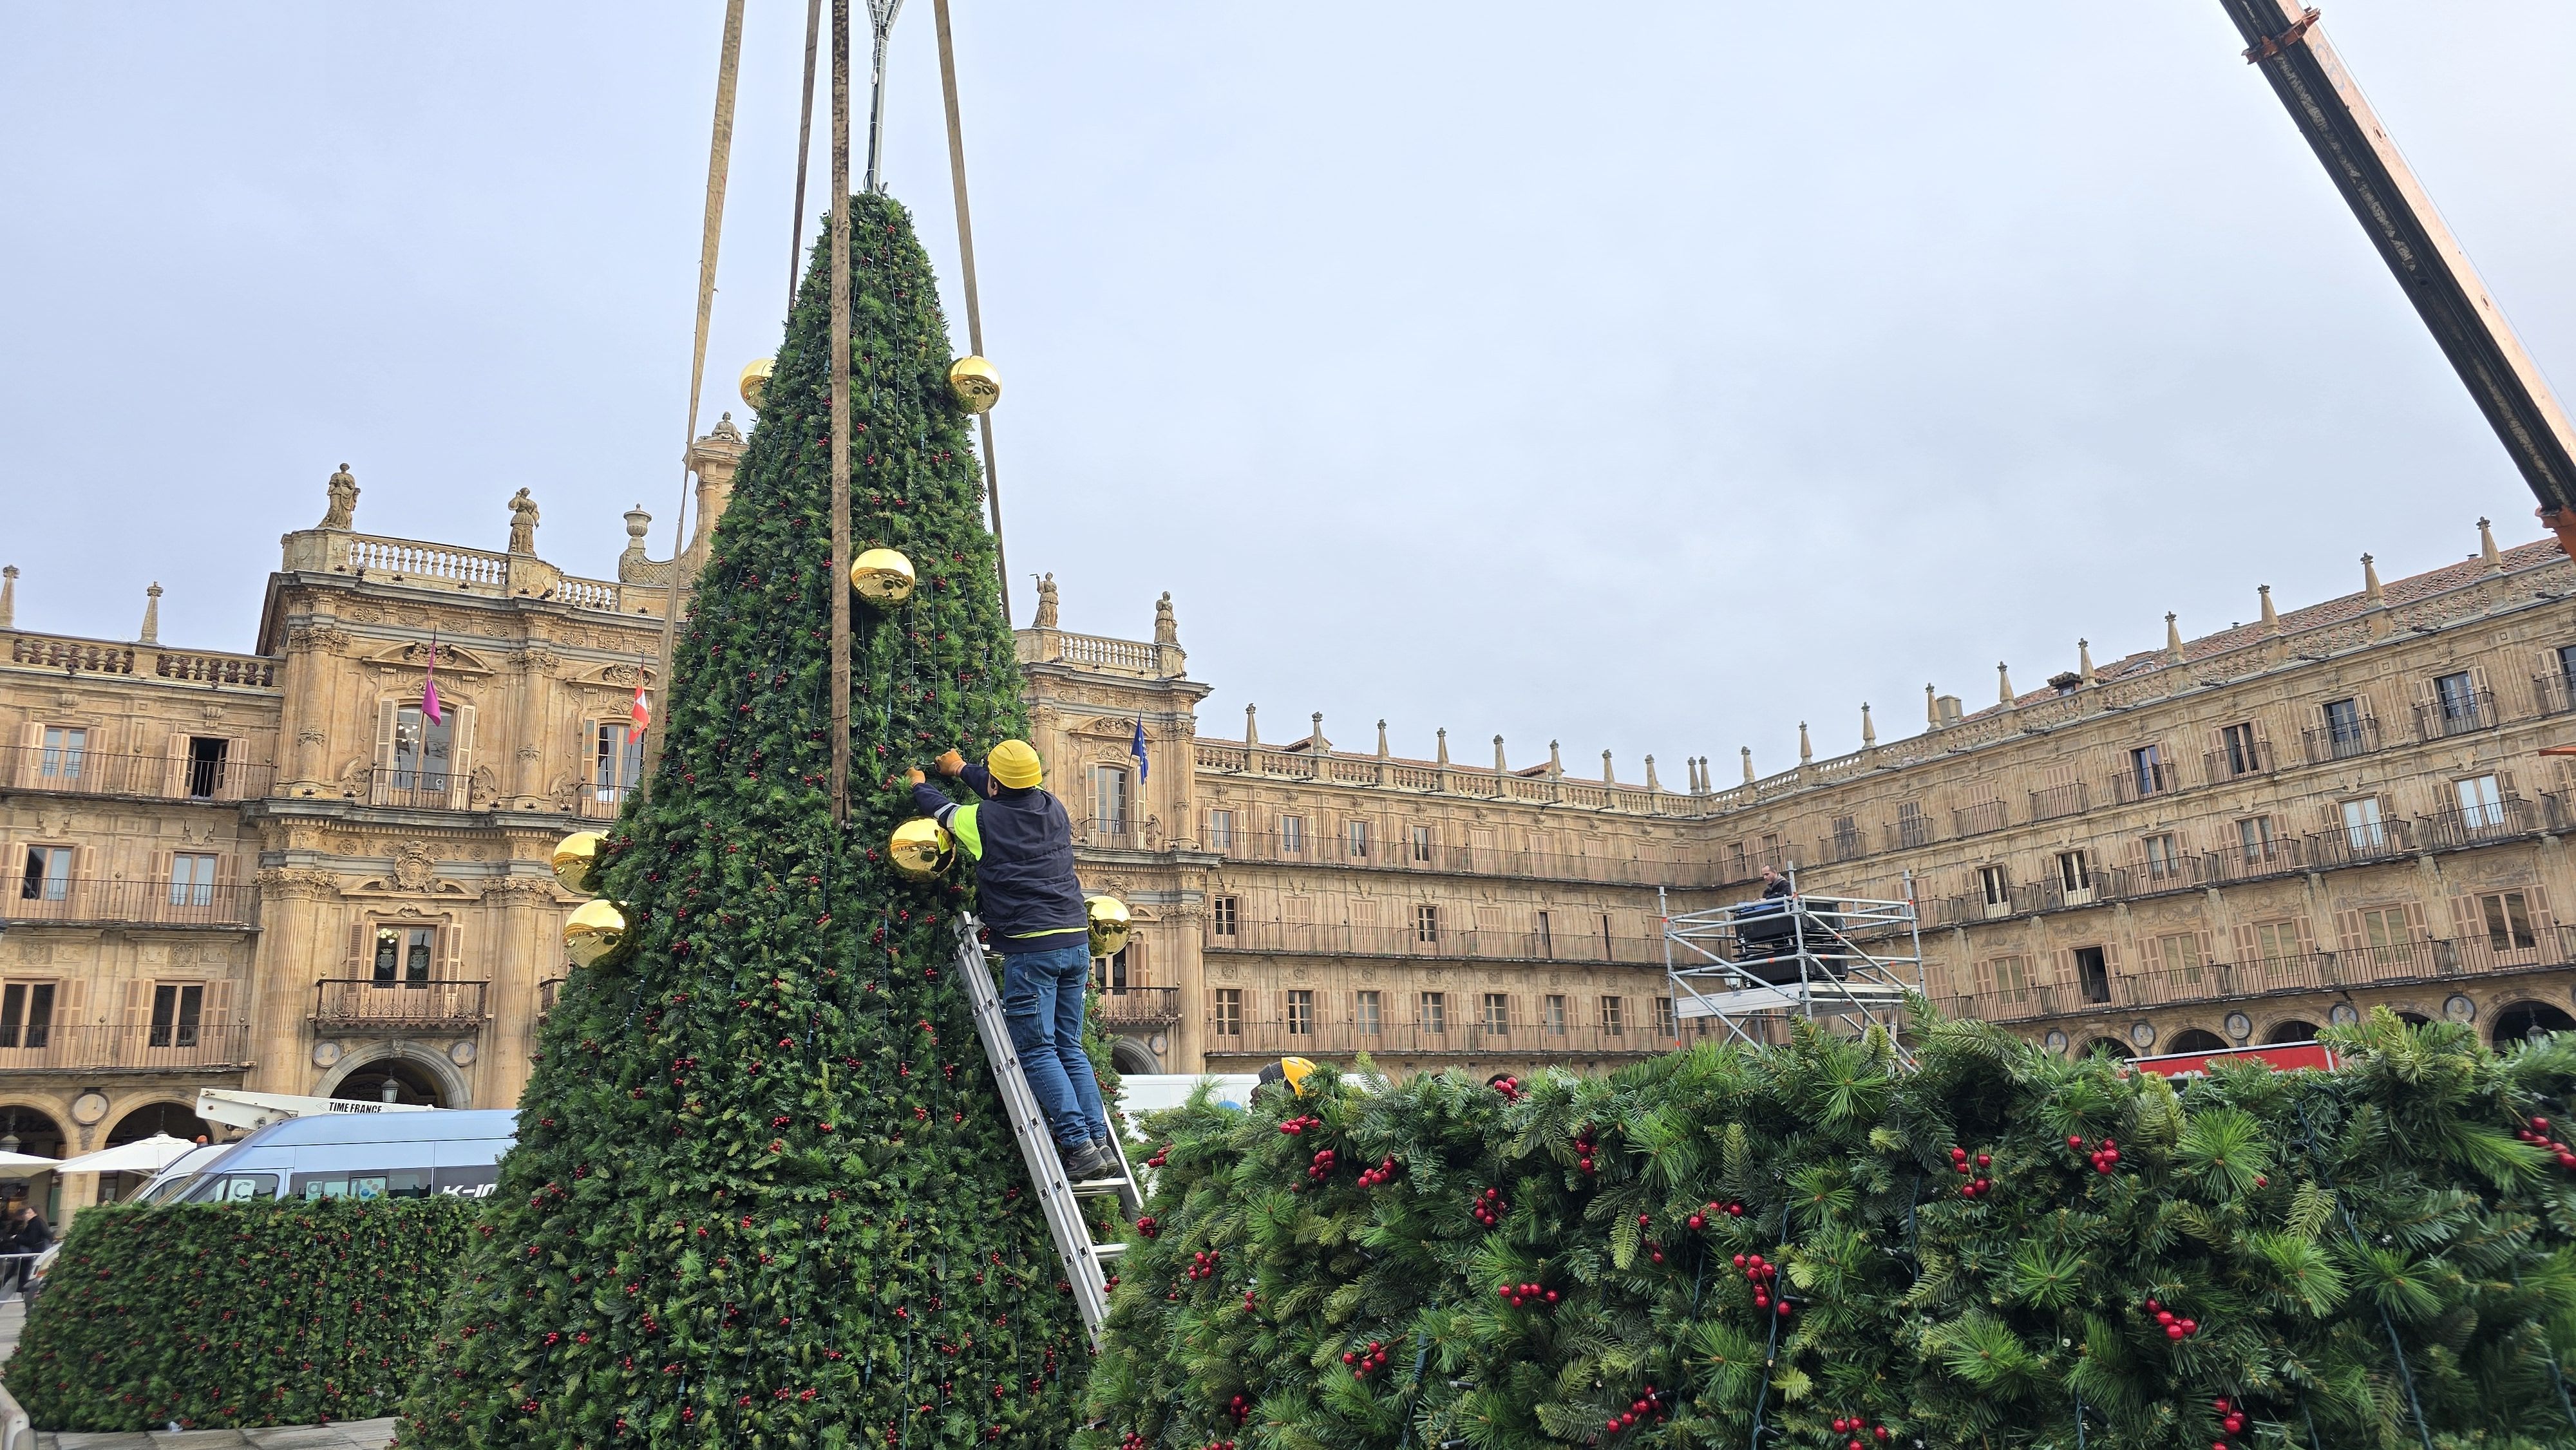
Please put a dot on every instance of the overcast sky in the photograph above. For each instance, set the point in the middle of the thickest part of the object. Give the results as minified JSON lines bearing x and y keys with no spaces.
{"x":1648,"y":377}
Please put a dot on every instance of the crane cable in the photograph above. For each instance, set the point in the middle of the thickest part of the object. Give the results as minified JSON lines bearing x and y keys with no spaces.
{"x":719,"y":164}
{"x":974,"y":308}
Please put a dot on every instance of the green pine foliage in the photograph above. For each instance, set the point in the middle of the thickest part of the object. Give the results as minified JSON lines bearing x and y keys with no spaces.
{"x":237,"y":1314}
{"x":2339,"y":1254}
{"x":764,"y":1193}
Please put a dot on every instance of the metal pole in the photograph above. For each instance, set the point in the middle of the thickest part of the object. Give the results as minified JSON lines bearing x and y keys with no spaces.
{"x":804,"y":149}
{"x":966,"y":261}
{"x":881,"y":14}
{"x":839,"y":583}
{"x":711,"y":232}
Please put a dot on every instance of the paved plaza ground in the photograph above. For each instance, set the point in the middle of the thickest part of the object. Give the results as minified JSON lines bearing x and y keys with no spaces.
{"x":355,"y":1435}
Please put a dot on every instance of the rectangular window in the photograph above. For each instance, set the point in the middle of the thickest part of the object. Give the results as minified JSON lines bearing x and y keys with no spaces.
{"x":2508,"y":919}
{"x":2147,"y":774}
{"x":2481,"y":803}
{"x":206,"y":756}
{"x":2239,"y":751}
{"x":1994,"y":886}
{"x":1614,"y":1017}
{"x":2385,"y":926}
{"x":402,"y":956}
{"x":1113,"y":972}
{"x":1355,"y":837}
{"x":1109,"y":799}
{"x":48,"y":876}
{"x":2093,"y":973}
{"x":1292,"y":835}
{"x":2343,"y":721}
{"x":65,"y":750}
{"x":1551,"y":1015}
{"x":1225,"y":1014}
{"x":2008,"y":978}
{"x":26,"y":1014}
{"x":422,"y":749}
{"x":1419,"y":841}
{"x":176,"y":1009}
{"x":2361,"y":828}
{"x":616,"y":760}
{"x":2457,"y":695}
{"x":1546,"y":939}
{"x":192,"y":879}
{"x":1426,"y":924}
{"x":1301,"y":1012}
{"x":1912,"y":829}
{"x":1737,"y":866}
{"x":2163,"y":856}
{"x":1364,"y":1013}
{"x":2276,"y":940}
{"x":1435,"y":1013}
{"x":2074,"y":872}
{"x":1664,"y":1017}
{"x":1220,"y":831}
{"x":1846,"y":837}
{"x":1771,"y":851}
{"x":2179,"y":954}
{"x":1222,"y":915}
{"x":2254,"y":838}
{"x":1498,"y":1014}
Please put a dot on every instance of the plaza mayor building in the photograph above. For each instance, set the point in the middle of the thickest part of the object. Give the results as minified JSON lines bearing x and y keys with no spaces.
{"x":267,"y":869}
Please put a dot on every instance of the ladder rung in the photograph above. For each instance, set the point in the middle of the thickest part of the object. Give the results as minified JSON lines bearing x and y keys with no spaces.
{"x":1098,"y":1187}
{"x":1106,"y":1252}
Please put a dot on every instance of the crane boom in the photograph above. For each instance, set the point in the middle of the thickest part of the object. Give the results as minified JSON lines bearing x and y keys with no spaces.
{"x":2364,"y":164}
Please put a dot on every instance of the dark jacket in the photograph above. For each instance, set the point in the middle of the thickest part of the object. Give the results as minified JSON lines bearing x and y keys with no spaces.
{"x":1777,"y":887}
{"x":1021,"y":841}
{"x":31,"y":1237}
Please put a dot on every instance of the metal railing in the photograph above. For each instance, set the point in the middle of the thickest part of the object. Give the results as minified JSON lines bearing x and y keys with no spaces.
{"x":1980,"y":818}
{"x":549,"y":992}
{"x":1403,"y":853}
{"x":2383,"y":840}
{"x":2138,"y":782}
{"x":2553,"y":694}
{"x":2070,"y":799}
{"x":2397,"y":964}
{"x":158,"y":777}
{"x":2280,"y":856}
{"x":2341,"y":742}
{"x":601,"y":803}
{"x":1332,"y":1033}
{"x":142,"y":1046}
{"x":127,"y":903}
{"x":1139,"y":1007}
{"x":361,"y":1004}
{"x":1907,"y":832}
{"x":1572,"y":944}
{"x":430,"y":790}
{"x":2471,"y":825}
{"x":2458,"y":715}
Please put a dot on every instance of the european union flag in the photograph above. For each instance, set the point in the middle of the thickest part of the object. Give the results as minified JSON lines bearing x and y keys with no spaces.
{"x":1136,"y":747}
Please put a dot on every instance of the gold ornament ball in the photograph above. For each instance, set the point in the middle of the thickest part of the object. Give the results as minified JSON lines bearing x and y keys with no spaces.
{"x":754,"y":381}
{"x":975,"y":382}
{"x":882,"y":577}
{"x":919,"y":848}
{"x":576,"y":858}
{"x":1109,"y":925}
{"x":595,"y":934}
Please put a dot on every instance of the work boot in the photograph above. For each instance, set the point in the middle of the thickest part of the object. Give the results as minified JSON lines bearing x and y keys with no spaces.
{"x":1084,"y":1161}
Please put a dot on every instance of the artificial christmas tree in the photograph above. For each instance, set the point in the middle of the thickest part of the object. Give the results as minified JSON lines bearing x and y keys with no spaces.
{"x":763,"y":1193}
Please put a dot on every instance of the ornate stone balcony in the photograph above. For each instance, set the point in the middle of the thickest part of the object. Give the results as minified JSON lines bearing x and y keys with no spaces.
{"x":76,"y":656}
{"x":375,"y":559}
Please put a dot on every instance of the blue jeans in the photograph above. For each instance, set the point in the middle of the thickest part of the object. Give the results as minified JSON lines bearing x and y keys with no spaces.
{"x":1042,"y":1004}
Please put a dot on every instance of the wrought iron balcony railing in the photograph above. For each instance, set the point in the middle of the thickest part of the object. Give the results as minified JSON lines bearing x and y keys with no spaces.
{"x":99,"y":902}
{"x":362,"y":1004}
{"x":156,"y":777}
{"x":145,"y":1047}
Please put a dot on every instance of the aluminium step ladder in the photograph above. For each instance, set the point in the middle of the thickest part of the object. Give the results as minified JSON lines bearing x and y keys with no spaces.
{"x":1086,"y":1264}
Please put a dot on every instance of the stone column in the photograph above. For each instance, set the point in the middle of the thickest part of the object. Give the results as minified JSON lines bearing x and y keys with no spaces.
{"x":304,"y":717}
{"x":300,"y":942}
{"x":531,"y":716}
{"x":525,"y":913}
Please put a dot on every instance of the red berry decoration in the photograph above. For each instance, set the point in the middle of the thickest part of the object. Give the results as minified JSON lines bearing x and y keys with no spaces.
{"x":1489,"y":1208}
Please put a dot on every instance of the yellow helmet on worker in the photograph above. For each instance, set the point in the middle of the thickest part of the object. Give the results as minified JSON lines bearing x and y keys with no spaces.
{"x":1014,"y":763}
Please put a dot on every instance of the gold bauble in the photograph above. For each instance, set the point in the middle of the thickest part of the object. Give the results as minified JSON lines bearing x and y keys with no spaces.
{"x":919,"y":848}
{"x":882,"y":577}
{"x":595,"y":934}
{"x":977,"y":386}
{"x":1109,"y":924}
{"x":576,"y":858}
{"x":754,"y":381}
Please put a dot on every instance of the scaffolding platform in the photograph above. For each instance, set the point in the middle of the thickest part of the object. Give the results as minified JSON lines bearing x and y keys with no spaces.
{"x":1754,"y":965}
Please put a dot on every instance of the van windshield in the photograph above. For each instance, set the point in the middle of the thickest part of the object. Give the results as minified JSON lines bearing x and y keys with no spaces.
{"x":233,"y":1187}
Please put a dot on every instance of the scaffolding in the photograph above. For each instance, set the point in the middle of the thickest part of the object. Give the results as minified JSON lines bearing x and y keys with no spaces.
{"x":1755,"y":965}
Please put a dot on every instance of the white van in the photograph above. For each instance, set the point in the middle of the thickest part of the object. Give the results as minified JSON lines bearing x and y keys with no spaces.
{"x":340,"y":1155}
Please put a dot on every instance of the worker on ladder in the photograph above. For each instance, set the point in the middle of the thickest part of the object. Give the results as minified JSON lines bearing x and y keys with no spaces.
{"x":1021,"y":842}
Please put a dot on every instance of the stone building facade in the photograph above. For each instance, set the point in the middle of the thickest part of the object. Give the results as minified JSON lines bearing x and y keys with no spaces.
{"x":269,"y":869}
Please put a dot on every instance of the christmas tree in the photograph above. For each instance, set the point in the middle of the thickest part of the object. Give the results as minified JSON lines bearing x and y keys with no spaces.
{"x":763,"y":1193}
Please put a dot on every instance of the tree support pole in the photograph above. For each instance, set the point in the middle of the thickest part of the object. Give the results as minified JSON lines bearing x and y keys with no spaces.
{"x":838,"y":585}
{"x":966,"y":260}
{"x":719,"y":166}
{"x":804,"y":149}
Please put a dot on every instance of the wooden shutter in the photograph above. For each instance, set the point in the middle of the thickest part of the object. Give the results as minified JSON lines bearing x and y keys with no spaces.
{"x":2416,"y":926}
{"x":215,"y":1025}
{"x":460,"y":781}
{"x":361,"y":945}
{"x":174,"y":767}
{"x":2246,"y":948}
{"x":2543,"y":926}
{"x":2466,"y":924}
{"x":386,"y":712}
{"x":449,"y":952}
{"x":31,"y":751}
{"x":71,"y":996}
{"x":160,"y":901}
{"x":2307,"y":939}
{"x":134,"y":1024}
{"x":2348,"y":931}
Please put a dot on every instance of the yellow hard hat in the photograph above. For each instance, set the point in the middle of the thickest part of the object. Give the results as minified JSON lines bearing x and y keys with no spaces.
{"x":1015,"y":764}
{"x":1296,"y":1070}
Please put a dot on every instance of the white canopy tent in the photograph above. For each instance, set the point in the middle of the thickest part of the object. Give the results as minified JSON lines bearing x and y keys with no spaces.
{"x":145,"y":1155}
{"x":22,"y":1163}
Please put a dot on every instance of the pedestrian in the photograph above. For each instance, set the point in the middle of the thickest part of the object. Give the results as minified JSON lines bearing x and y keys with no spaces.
{"x":1021,"y":842}
{"x":25,"y":1236}
{"x":1774,"y":884}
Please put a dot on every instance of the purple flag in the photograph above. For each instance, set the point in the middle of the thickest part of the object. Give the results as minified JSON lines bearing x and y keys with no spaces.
{"x":429,"y":687}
